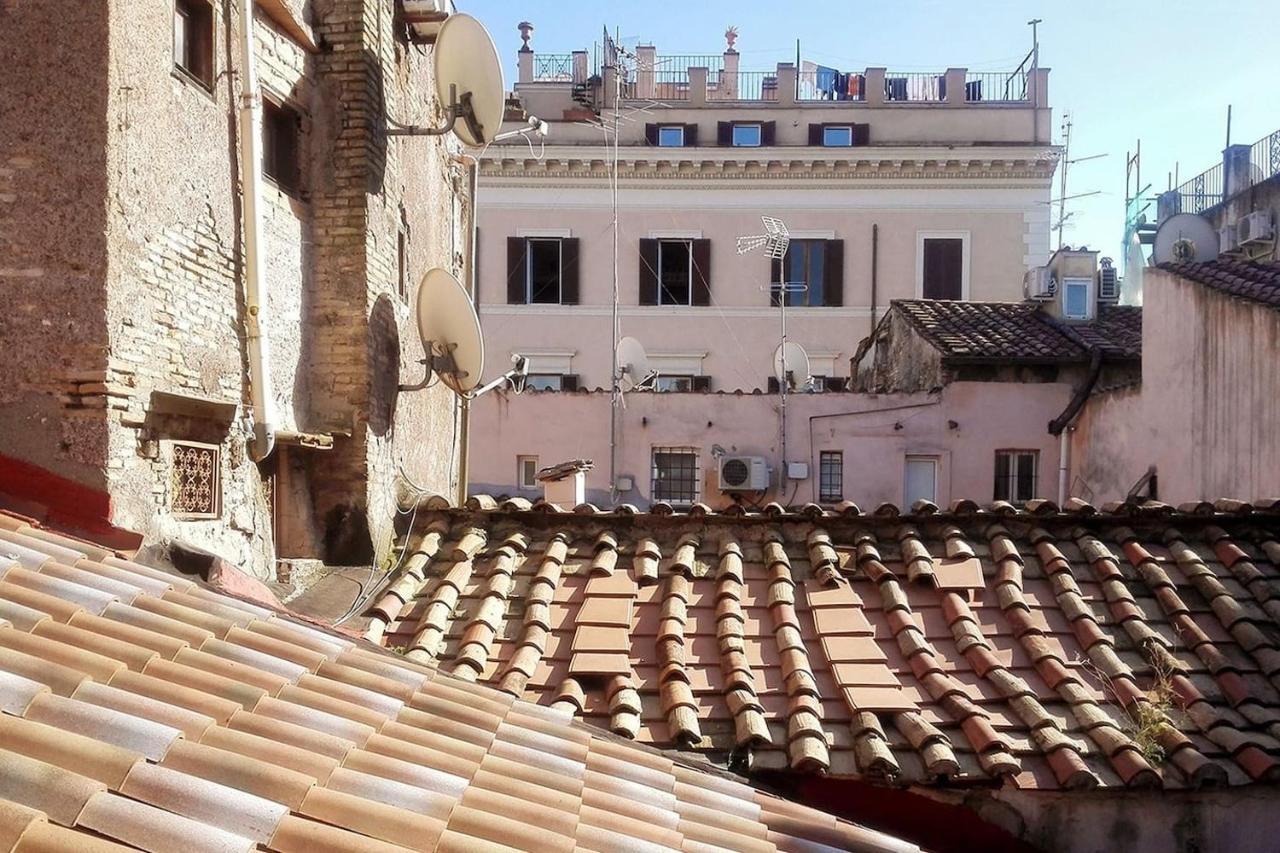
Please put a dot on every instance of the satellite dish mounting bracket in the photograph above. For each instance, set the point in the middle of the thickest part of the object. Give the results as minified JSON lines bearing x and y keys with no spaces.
{"x":435,"y":364}
{"x":458,"y":108}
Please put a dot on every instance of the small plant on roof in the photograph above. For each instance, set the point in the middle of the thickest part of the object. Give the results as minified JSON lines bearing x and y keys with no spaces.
{"x":1148,"y":719}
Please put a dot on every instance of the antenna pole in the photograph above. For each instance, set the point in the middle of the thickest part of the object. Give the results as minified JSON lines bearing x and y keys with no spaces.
{"x":1228,"y":125}
{"x":613,"y":333}
{"x":1062,"y":184}
{"x":784,"y":382}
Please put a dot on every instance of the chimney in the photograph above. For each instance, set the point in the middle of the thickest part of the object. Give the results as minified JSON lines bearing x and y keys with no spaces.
{"x":566,"y":484}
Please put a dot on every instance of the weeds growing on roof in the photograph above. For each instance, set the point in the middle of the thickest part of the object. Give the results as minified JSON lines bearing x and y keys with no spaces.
{"x":1148,"y":720}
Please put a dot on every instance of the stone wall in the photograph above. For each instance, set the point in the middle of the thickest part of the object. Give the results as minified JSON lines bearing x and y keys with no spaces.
{"x":130,"y":246}
{"x":53,"y":248}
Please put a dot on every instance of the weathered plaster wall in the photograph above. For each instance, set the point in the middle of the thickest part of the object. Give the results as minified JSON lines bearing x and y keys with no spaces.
{"x":127,"y":255}
{"x":1207,"y":409}
{"x":874,"y":432}
{"x":53,"y":247}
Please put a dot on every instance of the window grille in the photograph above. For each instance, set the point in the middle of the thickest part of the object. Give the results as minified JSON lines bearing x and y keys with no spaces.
{"x":675,"y":475}
{"x":196,"y":488}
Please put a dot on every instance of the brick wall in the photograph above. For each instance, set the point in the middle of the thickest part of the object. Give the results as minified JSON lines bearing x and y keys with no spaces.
{"x":122,"y":275}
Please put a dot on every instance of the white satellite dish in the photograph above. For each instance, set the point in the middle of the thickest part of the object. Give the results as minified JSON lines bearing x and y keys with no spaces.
{"x":1184,"y":238}
{"x":450,"y":332}
{"x":633,"y":363}
{"x":790,"y":359}
{"x":469,"y":79}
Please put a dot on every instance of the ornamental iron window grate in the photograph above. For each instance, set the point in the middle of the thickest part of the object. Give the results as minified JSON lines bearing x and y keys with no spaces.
{"x":196,"y":482}
{"x":675,"y":475}
{"x":831,"y":476}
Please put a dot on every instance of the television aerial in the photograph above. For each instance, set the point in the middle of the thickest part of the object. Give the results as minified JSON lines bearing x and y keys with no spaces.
{"x":634,"y":373}
{"x":469,"y":84}
{"x":1185,"y":238}
{"x":774,"y":240}
{"x":791,"y":365}
{"x":451,"y":339}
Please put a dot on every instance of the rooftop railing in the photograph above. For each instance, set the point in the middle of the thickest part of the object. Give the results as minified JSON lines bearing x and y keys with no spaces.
{"x":1209,"y":189}
{"x":743,"y":86}
{"x":1201,"y":192}
{"x":995,"y":86}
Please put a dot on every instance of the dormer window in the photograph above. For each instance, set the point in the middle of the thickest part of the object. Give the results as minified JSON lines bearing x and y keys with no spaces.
{"x":1075,"y":298}
{"x":746,"y":135}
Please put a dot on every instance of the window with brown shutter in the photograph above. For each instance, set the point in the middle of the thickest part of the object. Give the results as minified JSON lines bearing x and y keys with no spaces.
{"x":833,"y":274}
{"x":724,"y":133}
{"x":813,"y":271}
{"x":648,"y":272}
{"x":942,"y":274}
{"x":701,"y":272}
{"x":542,"y":270}
{"x":768,"y":132}
{"x":691,"y":135}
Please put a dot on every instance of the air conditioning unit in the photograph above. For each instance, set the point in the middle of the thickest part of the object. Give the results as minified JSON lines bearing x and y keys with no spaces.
{"x":1227,"y":239}
{"x":1255,"y":228}
{"x":1108,"y":282}
{"x":744,"y":474}
{"x":1038,"y":284}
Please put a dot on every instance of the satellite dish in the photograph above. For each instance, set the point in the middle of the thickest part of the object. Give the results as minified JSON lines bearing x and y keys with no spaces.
{"x":469,"y":79}
{"x":791,"y":359}
{"x":450,"y":331}
{"x":633,"y":362}
{"x":1184,"y":238}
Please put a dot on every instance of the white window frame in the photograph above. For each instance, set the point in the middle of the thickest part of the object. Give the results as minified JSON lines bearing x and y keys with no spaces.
{"x":544,"y":382}
{"x":673,"y":383}
{"x":697,"y":473}
{"x":1014,"y":455}
{"x":670,"y":128}
{"x":847,"y":128}
{"x":521,"y":480}
{"x":1077,"y":281}
{"x":688,"y":244}
{"x":528,"y":269}
{"x":920,"y":457}
{"x":965,"y":236}
{"x":746,"y":125}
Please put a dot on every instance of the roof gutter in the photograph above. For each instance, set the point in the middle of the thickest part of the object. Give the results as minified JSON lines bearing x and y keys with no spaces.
{"x":258,"y":350}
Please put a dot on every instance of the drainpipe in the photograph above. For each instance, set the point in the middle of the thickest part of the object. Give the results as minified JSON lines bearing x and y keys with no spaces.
{"x":263,"y":401}
{"x":1061,"y":425}
{"x":464,"y":432}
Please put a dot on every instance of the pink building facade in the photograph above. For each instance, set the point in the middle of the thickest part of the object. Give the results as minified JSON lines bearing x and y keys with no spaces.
{"x":895,"y":187}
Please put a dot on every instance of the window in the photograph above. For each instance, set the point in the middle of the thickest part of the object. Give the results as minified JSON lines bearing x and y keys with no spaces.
{"x":675,"y":272}
{"x":675,"y":475}
{"x":673,"y":383}
{"x":1016,"y":474}
{"x":746,"y":135}
{"x":942,"y":266}
{"x":830,"y":476}
{"x":837,"y":136}
{"x":1075,"y":298}
{"x":193,"y":40}
{"x":543,"y":272}
{"x":544,"y":382}
{"x":527,"y":472}
{"x":804,"y":266}
{"x":671,"y":136}
{"x":920,"y":480}
{"x":281,"y":145}
{"x":195,"y":488}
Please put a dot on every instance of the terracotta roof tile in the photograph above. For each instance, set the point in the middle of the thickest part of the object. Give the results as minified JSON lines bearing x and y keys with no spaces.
{"x":145,"y":710}
{"x":1257,"y":282}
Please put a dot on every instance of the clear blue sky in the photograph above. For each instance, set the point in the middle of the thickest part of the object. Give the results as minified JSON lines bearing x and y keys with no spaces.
{"x":1163,"y":70}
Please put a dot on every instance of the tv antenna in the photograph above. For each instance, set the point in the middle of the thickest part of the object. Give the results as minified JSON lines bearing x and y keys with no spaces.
{"x":634,"y":373}
{"x":775,"y":239}
{"x":452,"y":343}
{"x":1063,"y":198}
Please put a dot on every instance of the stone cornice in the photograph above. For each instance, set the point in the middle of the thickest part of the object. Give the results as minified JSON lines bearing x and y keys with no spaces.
{"x":800,"y":165}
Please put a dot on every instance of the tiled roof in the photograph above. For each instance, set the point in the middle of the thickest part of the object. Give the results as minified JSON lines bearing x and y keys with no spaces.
{"x":1258,"y":282}
{"x":139,"y":709}
{"x":1020,"y":331}
{"x":1038,"y":648}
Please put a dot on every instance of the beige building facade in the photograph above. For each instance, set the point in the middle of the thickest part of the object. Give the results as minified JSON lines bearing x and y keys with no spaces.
{"x":892,"y":186}
{"x":127,"y":402}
